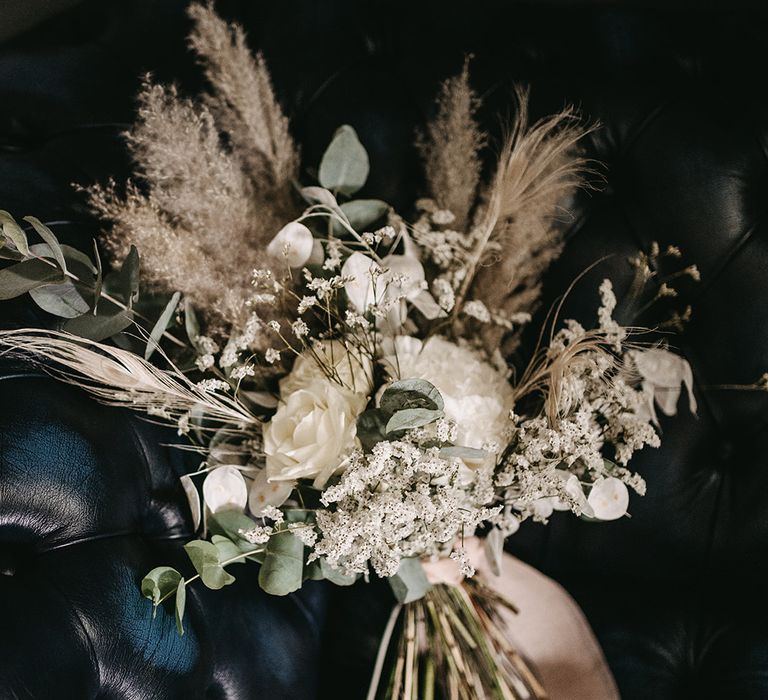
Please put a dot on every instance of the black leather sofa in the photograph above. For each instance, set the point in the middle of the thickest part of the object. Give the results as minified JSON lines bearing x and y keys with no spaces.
{"x":89,"y":498}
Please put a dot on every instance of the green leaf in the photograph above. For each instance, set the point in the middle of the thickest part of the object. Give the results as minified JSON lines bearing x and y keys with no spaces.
{"x":319,"y":195}
{"x":99,"y":279}
{"x":159,"y":583}
{"x":161,"y":325}
{"x":371,"y":427}
{"x":344,"y":167}
{"x":410,"y":418}
{"x":181,"y":602}
{"x":24,"y":276}
{"x":229,"y":523}
{"x":361,"y":214}
{"x":205,"y":558}
{"x":191,"y":324}
{"x":8,"y":253}
{"x":47,"y":235}
{"x":336,"y":577}
{"x":227,"y":549}
{"x":411,"y":393}
{"x":313,"y":571}
{"x":462,"y":452}
{"x":14,"y":232}
{"x":83,"y":266}
{"x":299,"y":515}
{"x":283,"y":567}
{"x":99,"y":327}
{"x":60,"y":299}
{"x":410,"y":582}
{"x":128,"y":277}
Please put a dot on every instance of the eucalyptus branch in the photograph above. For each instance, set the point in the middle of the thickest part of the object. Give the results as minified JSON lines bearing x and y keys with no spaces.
{"x":226,"y":562}
{"x":108,"y":297}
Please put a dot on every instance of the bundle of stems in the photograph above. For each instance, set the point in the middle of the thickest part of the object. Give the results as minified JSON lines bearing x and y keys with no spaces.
{"x":453,"y":645}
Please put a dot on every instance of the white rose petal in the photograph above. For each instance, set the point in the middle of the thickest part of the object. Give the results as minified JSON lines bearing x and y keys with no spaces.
{"x":294,"y":243}
{"x":353,"y":370}
{"x":609,"y":499}
{"x":264,"y":493}
{"x":225,"y":489}
{"x":312,"y":432}
{"x":194,"y":499}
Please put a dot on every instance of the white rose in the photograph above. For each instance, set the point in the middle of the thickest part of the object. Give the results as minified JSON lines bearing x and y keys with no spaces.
{"x":352,"y":370}
{"x":478,"y":398}
{"x":312,"y":432}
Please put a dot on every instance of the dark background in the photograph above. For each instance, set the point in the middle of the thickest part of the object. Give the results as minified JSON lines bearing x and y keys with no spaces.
{"x":676,"y":593}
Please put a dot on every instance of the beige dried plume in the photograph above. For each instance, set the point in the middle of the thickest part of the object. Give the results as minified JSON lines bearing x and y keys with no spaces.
{"x":206,"y":208}
{"x":520,"y":230}
{"x":450,"y":148}
{"x":243,"y":100}
{"x":120,"y":378}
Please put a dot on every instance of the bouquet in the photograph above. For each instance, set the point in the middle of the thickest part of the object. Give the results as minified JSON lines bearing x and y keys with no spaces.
{"x":343,"y":373}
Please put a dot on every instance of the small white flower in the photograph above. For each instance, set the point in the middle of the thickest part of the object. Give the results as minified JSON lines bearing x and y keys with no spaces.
{"x":204,"y":362}
{"x":299,"y":328}
{"x":212,"y":385}
{"x":256,"y":535}
{"x":272,"y":513}
{"x":183,"y":424}
{"x":476,"y":309}
{"x":306,"y":303}
{"x":443,"y":217}
{"x":246,"y":370}
{"x":306,"y":533}
{"x":272,"y":355}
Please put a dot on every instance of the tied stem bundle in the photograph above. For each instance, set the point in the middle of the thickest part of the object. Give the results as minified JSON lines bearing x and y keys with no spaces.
{"x":452,"y":644}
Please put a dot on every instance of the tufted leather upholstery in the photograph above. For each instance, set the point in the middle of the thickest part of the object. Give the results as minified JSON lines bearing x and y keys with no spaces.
{"x":88,"y":496}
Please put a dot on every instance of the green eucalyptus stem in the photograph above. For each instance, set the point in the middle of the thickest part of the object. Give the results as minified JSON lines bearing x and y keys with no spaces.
{"x":110,"y":298}
{"x":226,"y":562}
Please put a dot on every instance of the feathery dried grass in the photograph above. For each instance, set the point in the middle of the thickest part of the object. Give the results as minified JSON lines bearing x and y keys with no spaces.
{"x":539,"y":170}
{"x":243,"y":100}
{"x":450,"y":148}
{"x":205,"y":211}
{"x":120,"y":378}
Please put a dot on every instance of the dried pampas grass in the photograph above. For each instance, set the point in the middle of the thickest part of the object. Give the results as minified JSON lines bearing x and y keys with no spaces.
{"x":243,"y":100}
{"x":450,"y":148}
{"x":539,"y":170}
{"x":206,"y":207}
{"x":120,"y":378}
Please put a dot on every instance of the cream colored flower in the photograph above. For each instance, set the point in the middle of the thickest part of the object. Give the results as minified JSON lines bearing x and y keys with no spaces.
{"x":332,"y":361}
{"x":312,"y":432}
{"x":478,"y":398}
